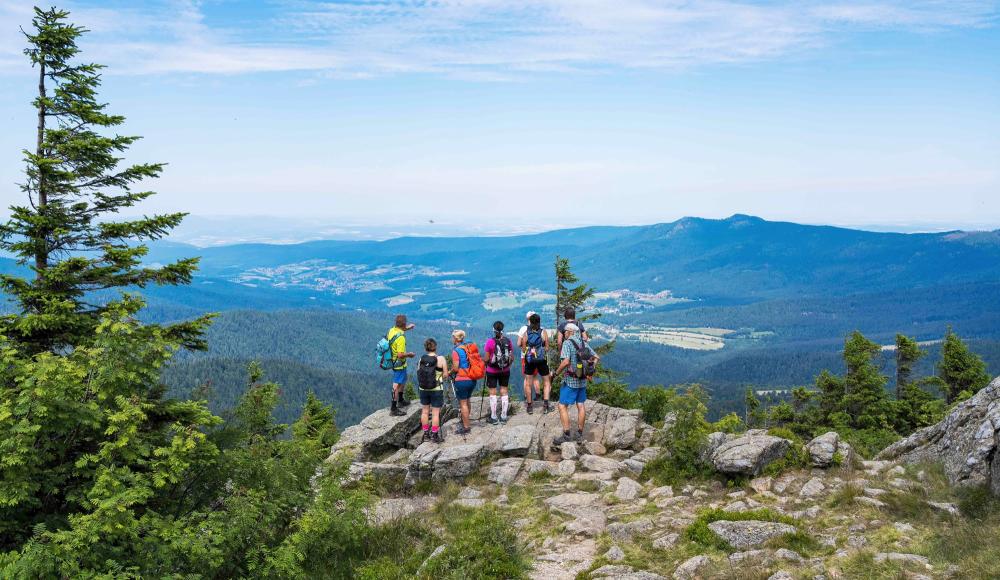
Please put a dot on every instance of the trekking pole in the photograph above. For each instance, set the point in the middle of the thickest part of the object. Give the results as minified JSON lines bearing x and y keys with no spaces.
{"x":481,"y":398}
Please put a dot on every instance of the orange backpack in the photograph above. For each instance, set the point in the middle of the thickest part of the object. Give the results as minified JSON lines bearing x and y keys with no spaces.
{"x":477,"y":368}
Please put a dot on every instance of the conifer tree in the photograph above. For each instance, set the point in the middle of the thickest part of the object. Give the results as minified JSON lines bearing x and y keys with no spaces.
{"x":908,"y":352}
{"x":568,"y":296}
{"x":865,"y":399}
{"x":75,"y":186}
{"x":961,"y":370}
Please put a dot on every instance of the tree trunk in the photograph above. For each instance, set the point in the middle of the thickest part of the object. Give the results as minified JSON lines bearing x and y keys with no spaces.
{"x":42,"y":250}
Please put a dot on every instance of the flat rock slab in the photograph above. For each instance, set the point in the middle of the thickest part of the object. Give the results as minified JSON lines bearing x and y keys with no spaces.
{"x":750,"y":533}
{"x":598,"y":463}
{"x":392,"y":509}
{"x":568,"y":558}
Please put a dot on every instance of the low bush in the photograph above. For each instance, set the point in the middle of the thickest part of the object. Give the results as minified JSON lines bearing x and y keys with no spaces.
{"x":483,"y":545}
{"x":796,"y":457}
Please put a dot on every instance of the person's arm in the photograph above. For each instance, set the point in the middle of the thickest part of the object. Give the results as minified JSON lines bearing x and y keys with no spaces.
{"x":545,"y":338}
{"x":454,"y":364}
{"x":563,"y":362}
{"x":522,"y":341}
{"x":442,"y":365}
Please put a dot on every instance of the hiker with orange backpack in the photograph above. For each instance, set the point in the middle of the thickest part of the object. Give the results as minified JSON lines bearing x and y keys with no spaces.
{"x":499,"y":356}
{"x":467,"y":367}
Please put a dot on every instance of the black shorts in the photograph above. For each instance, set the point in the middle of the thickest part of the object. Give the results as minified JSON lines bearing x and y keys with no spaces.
{"x":503,"y":379}
{"x":433,"y":398}
{"x":538,"y":367}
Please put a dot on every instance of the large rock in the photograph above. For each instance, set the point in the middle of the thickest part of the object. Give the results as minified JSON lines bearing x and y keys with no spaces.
{"x":517,"y":440}
{"x":749,"y":533}
{"x":590,"y":517}
{"x":620,"y":434}
{"x":378,"y":432}
{"x":965,"y":442}
{"x":505,"y":471}
{"x":825,"y":448}
{"x":429,"y":461}
{"x":750,"y":453}
{"x":597,"y":463}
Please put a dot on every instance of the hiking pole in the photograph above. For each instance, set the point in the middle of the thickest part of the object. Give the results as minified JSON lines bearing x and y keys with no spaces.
{"x":481,"y":398}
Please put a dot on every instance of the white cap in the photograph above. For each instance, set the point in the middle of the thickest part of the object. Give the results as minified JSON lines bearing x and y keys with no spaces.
{"x":571,"y":328}
{"x":529,"y":314}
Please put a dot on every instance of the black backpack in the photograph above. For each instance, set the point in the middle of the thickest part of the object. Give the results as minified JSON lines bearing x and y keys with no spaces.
{"x":502,"y":357}
{"x":427,"y":372}
{"x":586,"y":363}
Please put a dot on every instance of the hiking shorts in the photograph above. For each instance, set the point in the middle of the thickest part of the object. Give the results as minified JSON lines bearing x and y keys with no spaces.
{"x":572,"y":396}
{"x":538,"y":367}
{"x":463,"y":389}
{"x":433,"y":398}
{"x":399,"y":377}
{"x":502,"y":379}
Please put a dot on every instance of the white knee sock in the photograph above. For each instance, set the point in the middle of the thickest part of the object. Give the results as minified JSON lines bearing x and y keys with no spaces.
{"x":504,"y":405}
{"x":493,"y":406}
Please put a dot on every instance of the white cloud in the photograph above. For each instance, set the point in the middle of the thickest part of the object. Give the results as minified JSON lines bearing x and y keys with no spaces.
{"x":481,"y":39}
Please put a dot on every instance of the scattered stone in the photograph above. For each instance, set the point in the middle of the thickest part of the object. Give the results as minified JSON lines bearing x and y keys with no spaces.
{"x":615,"y":554}
{"x":628,"y":489}
{"x":874,"y":492}
{"x":761,"y":484}
{"x":870,"y":502}
{"x":596,"y":463}
{"x":857,"y":541}
{"x":948,"y":508}
{"x":904,"y":528}
{"x":505,"y":471}
{"x":392,"y":509}
{"x":784,"y":483}
{"x":620,"y":434}
{"x":906,"y":559}
{"x":699,"y":493}
{"x":664,"y":491}
{"x":736,"y":506}
{"x":538,"y":466}
{"x":787,"y":555}
{"x":749,"y":533}
{"x":689,"y":569}
{"x":813,"y":488}
{"x":595,"y":448}
{"x":474,"y":503}
{"x":781,"y":575}
{"x":737,"y":494}
{"x":469,"y":493}
{"x":666,"y":542}
{"x":569,"y":450}
{"x":824,"y":449}
{"x":437,"y":552}
{"x":756,"y":556}
{"x":566,"y":467}
{"x":624,"y":532}
{"x":750,"y":453}
{"x":896,"y":471}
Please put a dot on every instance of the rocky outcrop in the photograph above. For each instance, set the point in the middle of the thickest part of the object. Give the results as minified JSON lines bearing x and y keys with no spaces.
{"x":749,"y":453}
{"x":965,"y":442}
{"x":828,"y":449}
{"x":378,"y":432}
{"x":430,"y":461}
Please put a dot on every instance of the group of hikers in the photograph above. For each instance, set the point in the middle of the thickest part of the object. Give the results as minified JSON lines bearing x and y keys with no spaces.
{"x":577,"y":364}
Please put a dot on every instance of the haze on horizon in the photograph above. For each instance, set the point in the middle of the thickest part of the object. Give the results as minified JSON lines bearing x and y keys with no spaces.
{"x":504,"y":116}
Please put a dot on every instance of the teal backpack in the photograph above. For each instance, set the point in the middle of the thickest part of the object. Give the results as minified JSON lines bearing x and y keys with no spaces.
{"x":383,"y":352}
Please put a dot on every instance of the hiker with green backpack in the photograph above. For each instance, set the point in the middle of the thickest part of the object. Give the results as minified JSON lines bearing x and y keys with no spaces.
{"x":579,"y":362}
{"x":391,"y":353}
{"x":467,"y":367}
{"x":430,"y":383}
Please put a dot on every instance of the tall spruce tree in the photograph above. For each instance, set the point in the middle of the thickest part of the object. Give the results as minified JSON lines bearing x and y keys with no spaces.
{"x":908,"y":352}
{"x":961,"y":370}
{"x":75,"y":184}
{"x":865,"y":399}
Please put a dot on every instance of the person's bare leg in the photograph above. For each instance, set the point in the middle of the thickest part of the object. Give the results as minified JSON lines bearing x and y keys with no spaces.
{"x":527,"y":390}
{"x":564,"y":417}
{"x":547,"y":386}
{"x":424,"y":413}
{"x":581,"y":415}
{"x":436,"y":415}
{"x":466,"y":410}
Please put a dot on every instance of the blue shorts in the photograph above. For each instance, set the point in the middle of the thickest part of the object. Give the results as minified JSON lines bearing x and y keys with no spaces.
{"x":572,"y":396}
{"x":463,"y":389}
{"x":399,"y":377}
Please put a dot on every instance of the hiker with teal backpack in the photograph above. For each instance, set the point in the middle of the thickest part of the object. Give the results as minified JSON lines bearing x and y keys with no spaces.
{"x":533,"y":344}
{"x":579,"y":362}
{"x":499,"y":356}
{"x":431,"y":371}
{"x":466,"y":368}
{"x":390,"y":353}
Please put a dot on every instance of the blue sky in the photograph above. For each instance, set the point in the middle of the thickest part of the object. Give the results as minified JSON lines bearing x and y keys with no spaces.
{"x":556,"y":112}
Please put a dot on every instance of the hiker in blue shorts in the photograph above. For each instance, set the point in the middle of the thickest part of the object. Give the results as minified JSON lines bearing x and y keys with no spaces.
{"x":573,"y":390}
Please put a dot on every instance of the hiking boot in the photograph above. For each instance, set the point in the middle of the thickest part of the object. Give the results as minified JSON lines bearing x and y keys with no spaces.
{"x":503,"y":420}
{"x":579,"y":435}
{"x":546,"y":409}
{"x":436,"y":437}
{"x":427,"y":435}
{"x":564,"y":438}
{"x":394,"y":411}
{"x":402,"y":401}
{"x":492,"y":420}
{"x":461,"y":430}
{"x":528,"y":408}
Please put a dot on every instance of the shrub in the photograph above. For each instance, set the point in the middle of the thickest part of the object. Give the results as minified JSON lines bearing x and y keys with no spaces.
{"x":796,"y":457}
{"x":683,"y":441}
{"x":977,"y":502}
{"x":484,"y":545}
